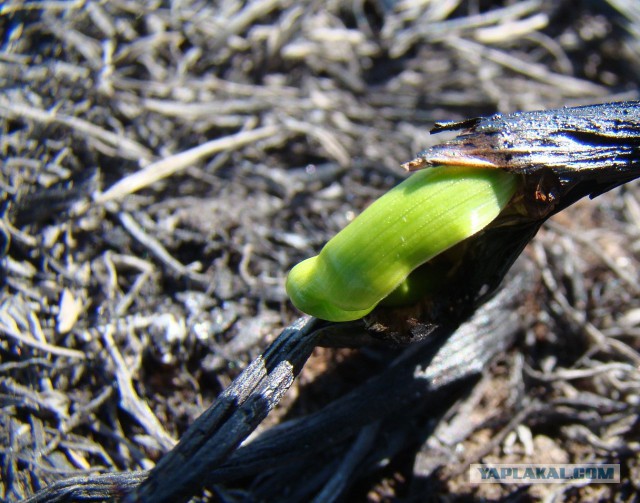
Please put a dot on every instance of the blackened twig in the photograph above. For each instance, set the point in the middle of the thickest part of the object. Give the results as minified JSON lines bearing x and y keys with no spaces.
{"x":600,"y":142}
{"x":233,"y":416}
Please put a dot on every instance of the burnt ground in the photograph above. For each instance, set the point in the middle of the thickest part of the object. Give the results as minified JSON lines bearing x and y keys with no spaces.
{"x":164,"y":164}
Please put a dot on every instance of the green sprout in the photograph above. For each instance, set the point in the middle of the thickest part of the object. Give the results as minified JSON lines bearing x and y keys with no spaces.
{"x":373,"y":257}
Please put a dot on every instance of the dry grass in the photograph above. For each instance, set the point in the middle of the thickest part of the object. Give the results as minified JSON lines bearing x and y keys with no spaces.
{"x":164,"y":164}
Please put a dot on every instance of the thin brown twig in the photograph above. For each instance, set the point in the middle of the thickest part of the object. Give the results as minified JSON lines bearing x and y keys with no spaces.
{"x":41,"y":346}
{"x":129,"y":399}
{"x":121,"y":145}
{"x":178,"y":162}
